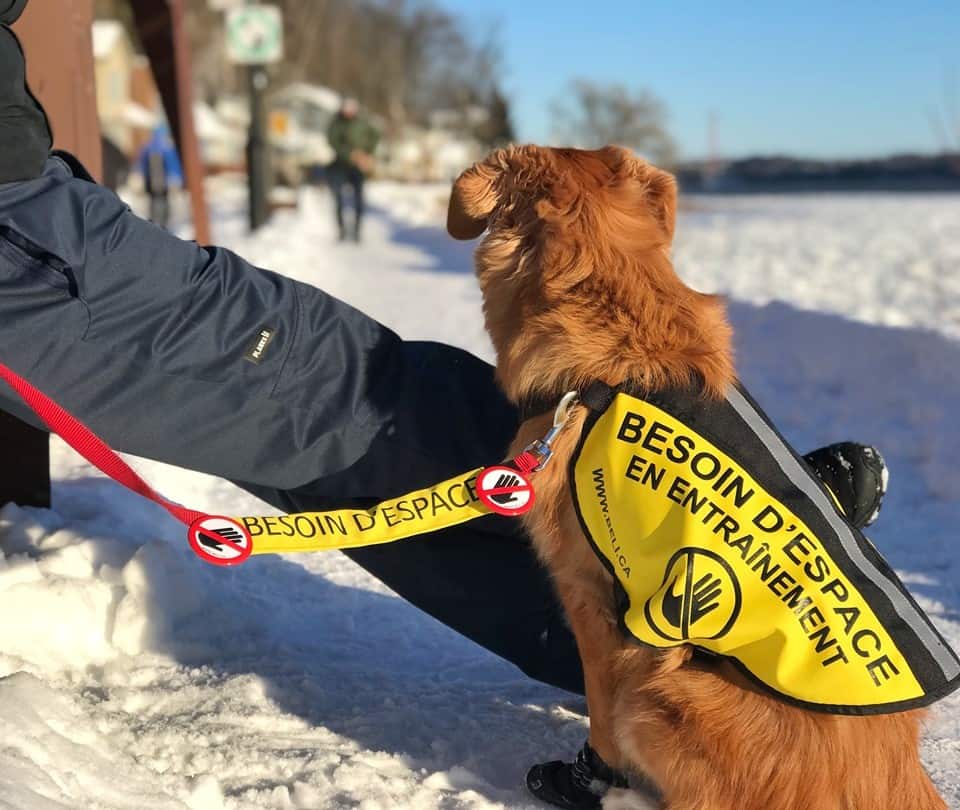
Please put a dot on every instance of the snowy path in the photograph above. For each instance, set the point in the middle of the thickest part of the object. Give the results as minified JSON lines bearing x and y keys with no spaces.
{"x":138,"y":678}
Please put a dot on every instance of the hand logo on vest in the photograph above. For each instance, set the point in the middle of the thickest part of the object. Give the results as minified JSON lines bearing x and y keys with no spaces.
{"x":699,"y":599}
{"x":705,"y":597}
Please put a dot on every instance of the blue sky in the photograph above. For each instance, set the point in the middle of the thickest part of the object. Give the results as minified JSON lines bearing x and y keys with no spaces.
{"x":815,"y":79}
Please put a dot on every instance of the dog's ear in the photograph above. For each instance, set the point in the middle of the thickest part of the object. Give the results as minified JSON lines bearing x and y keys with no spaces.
{"x":474,"y":198}
{"x":661,"y":194}
{"x":659,"y":188}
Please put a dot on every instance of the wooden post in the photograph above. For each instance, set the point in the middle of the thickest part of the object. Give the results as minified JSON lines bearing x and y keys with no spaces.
{"x":58,"y":43}
{"x":57,"y":39}
{"x":164,"y":37}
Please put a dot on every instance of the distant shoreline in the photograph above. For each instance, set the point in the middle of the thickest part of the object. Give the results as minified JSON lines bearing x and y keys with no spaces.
{"x":785,"y":175}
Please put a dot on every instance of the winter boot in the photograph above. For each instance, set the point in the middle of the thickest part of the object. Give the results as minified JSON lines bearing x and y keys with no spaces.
{"x":857,"y":477}
{"x":580,"y":785}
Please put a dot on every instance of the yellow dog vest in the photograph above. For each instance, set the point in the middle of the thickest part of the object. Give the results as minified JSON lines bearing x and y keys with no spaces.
{"x":718,"y":535}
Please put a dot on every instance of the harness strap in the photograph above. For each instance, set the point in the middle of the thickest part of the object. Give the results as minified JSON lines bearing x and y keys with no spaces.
{"x":597,"y":395}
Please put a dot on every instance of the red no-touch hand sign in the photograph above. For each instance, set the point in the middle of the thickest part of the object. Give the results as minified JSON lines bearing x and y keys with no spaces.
{"x":220,"y":540}
{"x":505,"y":490}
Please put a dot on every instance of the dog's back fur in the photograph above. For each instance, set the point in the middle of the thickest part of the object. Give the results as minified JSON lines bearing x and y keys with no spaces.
{"x":578,"y":286}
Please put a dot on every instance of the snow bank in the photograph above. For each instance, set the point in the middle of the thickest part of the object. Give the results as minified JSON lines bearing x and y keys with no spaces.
{"x":53,"y":759}
{"x":84,"y":598}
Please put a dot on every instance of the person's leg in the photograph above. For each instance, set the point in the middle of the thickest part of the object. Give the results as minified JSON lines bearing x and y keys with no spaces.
{"x":357,"y":180}
{"x":338,"y":412}
{"x":481,"y":578}
{"x":335,"y":179}
{"x":156,"y":214}
{"x":163,"y":210}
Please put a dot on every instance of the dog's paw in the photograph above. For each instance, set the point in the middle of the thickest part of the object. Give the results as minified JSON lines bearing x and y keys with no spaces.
{"x":616,"y":799}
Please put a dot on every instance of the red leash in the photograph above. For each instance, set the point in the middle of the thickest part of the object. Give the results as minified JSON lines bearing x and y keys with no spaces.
{"x":90,"y":446}
{"x":227,"y":541}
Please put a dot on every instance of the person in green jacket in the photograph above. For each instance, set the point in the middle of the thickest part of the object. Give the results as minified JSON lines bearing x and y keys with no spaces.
{"x":353,"y":139}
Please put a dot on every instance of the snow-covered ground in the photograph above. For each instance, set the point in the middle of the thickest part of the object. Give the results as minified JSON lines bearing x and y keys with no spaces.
{"x":132,"y":676}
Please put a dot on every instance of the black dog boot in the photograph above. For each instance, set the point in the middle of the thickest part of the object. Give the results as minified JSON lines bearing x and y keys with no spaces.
{"x":856,"y":475}
{"x":580,"y":784}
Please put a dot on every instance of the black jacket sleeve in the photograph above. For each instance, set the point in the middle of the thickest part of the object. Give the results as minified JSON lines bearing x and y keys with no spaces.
{"x":10,"y":10}
{"x":25,"y":136}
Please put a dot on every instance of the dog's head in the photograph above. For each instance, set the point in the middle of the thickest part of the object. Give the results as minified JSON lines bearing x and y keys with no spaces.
{"x":573,"y":209}
{"x":575,"y":271}
{"x":566,"y":228}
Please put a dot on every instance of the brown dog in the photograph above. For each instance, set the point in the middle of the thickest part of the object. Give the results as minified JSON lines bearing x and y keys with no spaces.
{"x":578,"y":286}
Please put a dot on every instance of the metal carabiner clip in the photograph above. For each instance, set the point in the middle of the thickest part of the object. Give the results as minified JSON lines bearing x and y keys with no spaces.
{"x":543,"y":448}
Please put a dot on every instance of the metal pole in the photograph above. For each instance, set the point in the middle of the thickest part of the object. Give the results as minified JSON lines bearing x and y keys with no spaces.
{"x":187,"y":141}
{"x":257,"y":163}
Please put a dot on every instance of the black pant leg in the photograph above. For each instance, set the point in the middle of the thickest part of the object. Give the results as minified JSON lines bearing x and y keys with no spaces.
{"x":335,"y":179}
{"x":481,"y":578}
{"x":357,"y":181}
{"x":160,"y":210}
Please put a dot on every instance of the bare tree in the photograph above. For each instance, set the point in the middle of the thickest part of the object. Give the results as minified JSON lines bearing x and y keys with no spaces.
{"x":401,"y":58}
{"x":592,"y":115}
{"x":945,"y":116}
{"x":498,"y":130}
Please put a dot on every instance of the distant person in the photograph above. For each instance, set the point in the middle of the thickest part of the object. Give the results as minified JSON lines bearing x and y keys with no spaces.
{"x":159,"y":166}
{"x":116,"y":164}
{"x":353,"y":139}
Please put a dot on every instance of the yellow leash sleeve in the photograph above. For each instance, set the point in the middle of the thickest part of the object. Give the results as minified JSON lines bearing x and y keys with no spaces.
{"x":446,"y":504}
